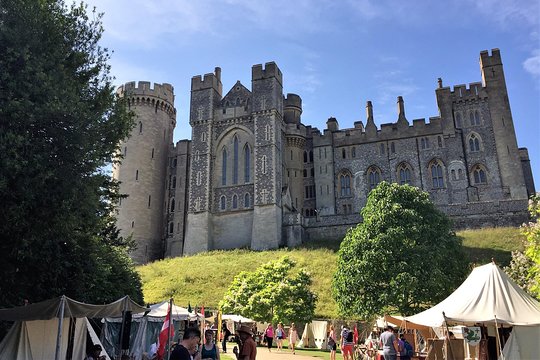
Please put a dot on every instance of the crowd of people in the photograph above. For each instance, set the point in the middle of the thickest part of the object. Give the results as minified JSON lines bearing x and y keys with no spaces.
{"x":189,"y":347}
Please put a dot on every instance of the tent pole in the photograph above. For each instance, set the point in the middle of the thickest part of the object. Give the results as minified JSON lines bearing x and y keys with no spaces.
{"x":447,"y":342}
{"x":498,"y":340}
{"x":60,"y":326}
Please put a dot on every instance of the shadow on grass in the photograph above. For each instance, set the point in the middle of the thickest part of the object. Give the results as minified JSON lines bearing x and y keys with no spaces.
{"x":482,"y":256}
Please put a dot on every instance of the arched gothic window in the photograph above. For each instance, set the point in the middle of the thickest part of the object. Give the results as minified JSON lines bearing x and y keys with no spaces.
{"x":172,"y":205}
{"x":343,"y":153}
{"x":353,"y":152}
{"x":235,"y":202}
{"x":235,"y":161}
{"x":311,"y":156}
{"x":140,"y":127}
{"x":222,"y":202}
{"x":173,"y":182}
{"x":474,"y":143}
{"x":305,"y":156}
{"x":247,"y":202}
{"x":247,"y":164}
{"x":373,"y":176}
{"x":479,"y":175}
{"x":436,"y":172}
{"x":475,"y":118}
{"x":345,"y":184}
{"x":224,"y":167}
{"x":404,"y":174}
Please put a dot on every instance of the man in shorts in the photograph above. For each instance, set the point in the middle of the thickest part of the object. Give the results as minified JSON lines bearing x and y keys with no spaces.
{"x":346,"y":343}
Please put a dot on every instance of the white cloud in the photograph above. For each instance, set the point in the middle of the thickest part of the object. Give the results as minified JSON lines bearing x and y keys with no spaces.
{"x":532,"y":64}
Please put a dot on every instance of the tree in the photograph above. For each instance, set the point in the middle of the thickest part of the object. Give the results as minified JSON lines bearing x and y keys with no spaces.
{"x":400,"y":259}
{"x":271,"y":294}
{"x":60,"y":125}
{"x":524,"y":268}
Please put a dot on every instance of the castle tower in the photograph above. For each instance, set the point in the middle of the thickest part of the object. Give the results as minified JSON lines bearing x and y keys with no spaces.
{"x":267,"y":113}
{"x":144,"y":166}
{"x":206,"y":94}
{"x":293,"y":156}
{"x":493,"y":80}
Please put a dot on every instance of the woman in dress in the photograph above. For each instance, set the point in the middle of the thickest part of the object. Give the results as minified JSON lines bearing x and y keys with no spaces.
{"x":293,"y":337}
{"x":332,"y":343}
{"x":280,"y":335}
{"x":209,"y":350}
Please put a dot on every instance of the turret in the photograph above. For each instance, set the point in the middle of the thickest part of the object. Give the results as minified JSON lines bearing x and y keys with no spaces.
{"x":144,"y":167}
{"x":292,"y":108}
{"x":503,"y":125}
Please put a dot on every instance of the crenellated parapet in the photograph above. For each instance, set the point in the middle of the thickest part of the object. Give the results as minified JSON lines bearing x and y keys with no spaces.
{"x":160,"y":97}
{"x":463,"y":93}
{"x":370,"y":133}
{"x":271,"y":70}
{"x":208,"y":81}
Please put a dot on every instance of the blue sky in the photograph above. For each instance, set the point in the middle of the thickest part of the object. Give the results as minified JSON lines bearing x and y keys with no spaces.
{"x":335,"y":54}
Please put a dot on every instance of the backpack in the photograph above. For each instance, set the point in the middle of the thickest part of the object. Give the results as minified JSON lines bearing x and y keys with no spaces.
{"x":408,"y":348}
{"x":350,"y":336}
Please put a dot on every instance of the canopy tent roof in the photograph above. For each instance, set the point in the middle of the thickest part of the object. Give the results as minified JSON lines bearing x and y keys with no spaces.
{"x":177,"y":312}
{"x":236,"y":318}
{"x":50,"y":309}
{"x":487,"y":296}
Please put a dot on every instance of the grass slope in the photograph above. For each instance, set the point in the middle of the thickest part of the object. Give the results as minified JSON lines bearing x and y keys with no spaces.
{"x":203,"y":279}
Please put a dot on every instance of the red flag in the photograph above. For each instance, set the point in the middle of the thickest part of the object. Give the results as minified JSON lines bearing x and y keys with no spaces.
{"x":163,"y":335}
{"x":355,"y":335}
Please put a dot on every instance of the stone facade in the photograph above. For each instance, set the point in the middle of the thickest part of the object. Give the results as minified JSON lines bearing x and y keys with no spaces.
{"x":254,"y":176}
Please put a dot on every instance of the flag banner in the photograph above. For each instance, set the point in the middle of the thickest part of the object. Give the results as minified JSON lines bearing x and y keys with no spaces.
{"x":166,"y":333}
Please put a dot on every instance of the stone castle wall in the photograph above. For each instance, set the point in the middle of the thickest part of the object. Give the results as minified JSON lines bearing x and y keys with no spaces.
{"x":255,"y":176}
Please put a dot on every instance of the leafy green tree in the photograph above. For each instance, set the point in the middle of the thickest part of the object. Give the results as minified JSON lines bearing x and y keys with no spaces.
{"x":60,"y":125}
{"x":401,"y":259}
{"x":525,"y":266}
{"x":271,"y":294}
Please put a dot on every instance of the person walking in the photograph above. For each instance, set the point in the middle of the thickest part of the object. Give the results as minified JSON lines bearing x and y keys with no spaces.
{"x":332,"y":344}
{"x":347,"y":341}
{"x":280,"y":335}
{"x":293,"y":337}
{"x":269,"y":336}
{"x":225,"y":332}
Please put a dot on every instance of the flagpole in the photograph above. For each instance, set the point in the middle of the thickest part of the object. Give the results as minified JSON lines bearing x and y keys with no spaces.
{"x":168,"y":346}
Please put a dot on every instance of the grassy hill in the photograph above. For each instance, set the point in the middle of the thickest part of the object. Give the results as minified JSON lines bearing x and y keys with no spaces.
{"x":203,"y":279}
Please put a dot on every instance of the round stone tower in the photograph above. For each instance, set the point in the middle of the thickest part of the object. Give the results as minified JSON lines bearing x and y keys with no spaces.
{"x":143,"y":169}
{"x":295,"y":136}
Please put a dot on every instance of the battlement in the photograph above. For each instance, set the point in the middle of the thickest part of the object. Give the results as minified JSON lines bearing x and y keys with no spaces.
{"x":209,"y":81}
{"x":163,"y":91}
{"x":293,"y":100}
{"x":490,"y":60}
{"x":271,"y":70}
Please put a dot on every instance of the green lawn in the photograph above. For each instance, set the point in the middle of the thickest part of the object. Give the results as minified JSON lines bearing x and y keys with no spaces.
{"x":203,"y":279}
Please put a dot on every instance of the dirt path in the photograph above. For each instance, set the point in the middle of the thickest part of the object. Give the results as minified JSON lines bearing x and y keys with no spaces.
{"x":263,"y":354}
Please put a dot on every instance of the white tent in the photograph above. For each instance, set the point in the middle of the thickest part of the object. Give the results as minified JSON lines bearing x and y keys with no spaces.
{"x":488,"y":296}
{"x":314,"y":335}
{"x":41,"y":331}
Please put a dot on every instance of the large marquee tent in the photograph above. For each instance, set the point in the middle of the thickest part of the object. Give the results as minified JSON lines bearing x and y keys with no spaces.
{"x":41,"y":330}
{"x":489,"y":297}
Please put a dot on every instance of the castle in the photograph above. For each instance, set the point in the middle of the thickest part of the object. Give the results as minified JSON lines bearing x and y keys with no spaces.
{"x":253,"y":175}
